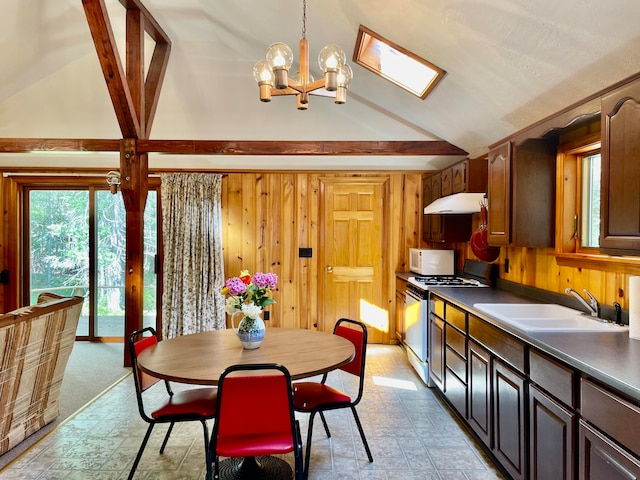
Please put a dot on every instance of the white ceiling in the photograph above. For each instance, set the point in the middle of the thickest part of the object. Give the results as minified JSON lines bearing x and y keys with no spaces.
{"x":509,"y":64}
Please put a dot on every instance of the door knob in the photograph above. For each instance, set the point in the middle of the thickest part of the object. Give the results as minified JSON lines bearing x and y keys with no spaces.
{"x":330,"y":269}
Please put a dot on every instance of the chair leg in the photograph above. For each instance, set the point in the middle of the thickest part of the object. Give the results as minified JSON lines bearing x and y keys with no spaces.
{"x":364,"y":439}
{"x":139,"y":456}
{"x":307,"y":455}
{"x":166,"y":438}
{"x":324,"y":422}
{"x":207,"y":457}
{"x":297,"y":452}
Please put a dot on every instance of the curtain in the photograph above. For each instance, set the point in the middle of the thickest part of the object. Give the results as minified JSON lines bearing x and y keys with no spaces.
{"x":193,"y":264}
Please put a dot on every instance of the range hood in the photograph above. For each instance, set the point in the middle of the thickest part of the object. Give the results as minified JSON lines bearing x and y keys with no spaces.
{"x":457,"y":203}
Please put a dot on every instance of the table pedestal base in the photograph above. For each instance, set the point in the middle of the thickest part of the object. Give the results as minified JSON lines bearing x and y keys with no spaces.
{"x":255,"y":468}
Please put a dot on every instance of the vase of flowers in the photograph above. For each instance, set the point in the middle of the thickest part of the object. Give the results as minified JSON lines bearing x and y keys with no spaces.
{"x":248,"y":296}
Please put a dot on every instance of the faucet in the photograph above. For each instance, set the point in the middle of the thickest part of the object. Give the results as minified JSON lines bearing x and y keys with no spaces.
{"x":592,"y":306}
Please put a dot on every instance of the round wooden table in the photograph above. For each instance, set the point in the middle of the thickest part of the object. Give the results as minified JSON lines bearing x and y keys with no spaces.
{"x":200,"y":358}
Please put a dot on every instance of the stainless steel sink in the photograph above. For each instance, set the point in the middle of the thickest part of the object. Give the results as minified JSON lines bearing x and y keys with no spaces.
{"x":546,"y":317}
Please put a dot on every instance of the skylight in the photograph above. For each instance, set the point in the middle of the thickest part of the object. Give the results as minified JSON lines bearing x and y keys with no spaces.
{"x":396,"y":64}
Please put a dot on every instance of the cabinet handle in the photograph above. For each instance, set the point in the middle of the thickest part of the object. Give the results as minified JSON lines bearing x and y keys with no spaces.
{"x":575,"y":226}
{"x":330,"y":269}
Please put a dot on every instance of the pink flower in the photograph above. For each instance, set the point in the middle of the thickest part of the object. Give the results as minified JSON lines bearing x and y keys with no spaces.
{"x":264,"y":280}
{"x":235,"y":286}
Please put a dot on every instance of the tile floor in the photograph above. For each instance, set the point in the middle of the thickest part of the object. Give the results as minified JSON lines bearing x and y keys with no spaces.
{"x":411,"y":432}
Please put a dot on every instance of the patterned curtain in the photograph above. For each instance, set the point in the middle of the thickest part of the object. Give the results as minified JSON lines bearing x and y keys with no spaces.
{"x":193,"y":263}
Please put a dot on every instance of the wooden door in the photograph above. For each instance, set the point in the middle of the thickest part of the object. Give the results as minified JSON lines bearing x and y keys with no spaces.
{"x":352,"y":241}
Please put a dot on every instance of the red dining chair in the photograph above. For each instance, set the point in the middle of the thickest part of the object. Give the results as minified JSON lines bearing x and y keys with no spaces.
{"x":317,"y":397}
{"x":188,"y":405}
{"x":255,"y":417}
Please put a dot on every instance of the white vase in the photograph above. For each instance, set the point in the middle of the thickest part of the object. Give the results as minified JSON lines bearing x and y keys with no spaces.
{"x":250,"y":331}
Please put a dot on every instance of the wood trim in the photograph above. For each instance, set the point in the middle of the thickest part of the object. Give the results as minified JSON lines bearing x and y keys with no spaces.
{"x":626,"y":265}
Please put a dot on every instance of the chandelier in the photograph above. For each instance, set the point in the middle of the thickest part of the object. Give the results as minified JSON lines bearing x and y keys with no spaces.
{"x":272,"y":73}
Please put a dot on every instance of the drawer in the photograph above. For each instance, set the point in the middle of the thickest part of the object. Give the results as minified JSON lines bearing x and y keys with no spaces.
{"x":499,"y":342}
{"x":437,"y":306}
{"x":456,"y":317}
{"x":456,"y":364}
{"x":611,"y":414}
{"x":553,"y":377}
{"x":456,"y":340}
{"x":456,"y":392}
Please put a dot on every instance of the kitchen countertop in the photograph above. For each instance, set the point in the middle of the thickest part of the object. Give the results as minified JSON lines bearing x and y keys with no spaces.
{"x":610,"y":357}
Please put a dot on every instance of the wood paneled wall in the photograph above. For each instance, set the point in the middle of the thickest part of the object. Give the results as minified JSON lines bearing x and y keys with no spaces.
{"x":538,"y":267}
{"x":267,"y":217}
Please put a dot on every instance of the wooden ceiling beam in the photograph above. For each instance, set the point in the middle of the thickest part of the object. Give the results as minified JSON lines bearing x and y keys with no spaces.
{"x":236,"y":147}
{"x":103,"y":39}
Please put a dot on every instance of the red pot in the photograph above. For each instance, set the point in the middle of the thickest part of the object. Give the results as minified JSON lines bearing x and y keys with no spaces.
{"x":479,"y":243}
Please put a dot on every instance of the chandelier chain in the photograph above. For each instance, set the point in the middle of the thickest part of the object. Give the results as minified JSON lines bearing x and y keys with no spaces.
{"x":304,"y":19}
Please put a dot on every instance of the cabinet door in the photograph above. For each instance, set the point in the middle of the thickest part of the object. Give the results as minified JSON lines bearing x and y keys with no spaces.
{"x":436,"y":351}
{"x":602,"y":459}
{"x":446,"y":182}
{"x":436,"y":220}
{"x":509,"y":419}
{"x":620,"y":205}
{"x":459,"y":176}
{"x":479,"y":377}
{"x":499,"y":195}
{"x":399,"y":316}
{"x":551,"y":437}
{"x":426,"y":200}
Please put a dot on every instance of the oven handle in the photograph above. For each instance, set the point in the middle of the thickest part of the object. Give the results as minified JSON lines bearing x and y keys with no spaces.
{"x":409,"y":293}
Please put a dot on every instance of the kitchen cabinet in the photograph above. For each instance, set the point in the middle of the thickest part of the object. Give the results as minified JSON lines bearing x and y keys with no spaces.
{"x":480,"y":392}
{"x":551,"y":437}
{"x":448,"y":352}
{"x":521,"y":193}
{"x":552,"y":418}
{"x":400,"y":308}
{"x":539,"y":417}
{"x":603,"y":459}
{"x":620,"y":174}
{"x":466,"y":176}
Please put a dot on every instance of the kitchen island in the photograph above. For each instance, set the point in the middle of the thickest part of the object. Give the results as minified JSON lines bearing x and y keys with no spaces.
{"x":545,"y":404}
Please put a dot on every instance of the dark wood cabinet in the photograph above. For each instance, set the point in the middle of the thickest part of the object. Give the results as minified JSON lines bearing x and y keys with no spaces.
{"x":509,"y":435}
{"x":602,"y":459}
{"x":620,"y":174}
{"x":426,"y":200}
{"x":551,"y":438}
{"x":447,"y":182}
{"x":436,"y":351}
{"x":521,"y":193}
{"x":479,"y":365}
{"x":400,"y":307}
{"x":436,"y":220}
{"x":459,"y":176}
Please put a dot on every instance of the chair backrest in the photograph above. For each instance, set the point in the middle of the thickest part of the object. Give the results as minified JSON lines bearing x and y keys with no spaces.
{"x":254,"y":400}
{"x":136,"y":345}
{"x":357,"y":336}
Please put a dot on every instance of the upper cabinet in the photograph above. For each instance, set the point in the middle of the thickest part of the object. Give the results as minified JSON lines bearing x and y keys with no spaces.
{"x":620,"y":188}
{"x":521,"y":193}
{"x":465,"y":176}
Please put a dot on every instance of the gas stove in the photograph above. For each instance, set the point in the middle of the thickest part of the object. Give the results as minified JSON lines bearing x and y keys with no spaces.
{"x":474,"y":274}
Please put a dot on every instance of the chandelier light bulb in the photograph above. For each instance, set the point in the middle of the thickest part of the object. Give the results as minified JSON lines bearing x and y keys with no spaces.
{"x":330,"y":59}
{"x":345,"y":75}
{"x":280,"y":58}
{"x":264,"y":76}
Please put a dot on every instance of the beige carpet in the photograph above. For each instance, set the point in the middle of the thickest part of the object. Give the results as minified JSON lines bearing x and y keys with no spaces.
{"x":92,"y":368}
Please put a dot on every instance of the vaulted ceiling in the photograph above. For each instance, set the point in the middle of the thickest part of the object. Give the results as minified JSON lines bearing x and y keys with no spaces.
{"x":509,"y":63}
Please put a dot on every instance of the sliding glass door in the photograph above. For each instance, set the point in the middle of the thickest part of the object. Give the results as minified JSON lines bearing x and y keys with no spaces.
{"x":76,"y":246}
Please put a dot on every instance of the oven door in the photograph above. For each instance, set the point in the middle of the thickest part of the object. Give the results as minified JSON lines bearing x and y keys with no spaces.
{"x":416,"y":325}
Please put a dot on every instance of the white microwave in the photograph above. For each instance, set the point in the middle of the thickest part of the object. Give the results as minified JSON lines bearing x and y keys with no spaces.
{"x":426,"y":261}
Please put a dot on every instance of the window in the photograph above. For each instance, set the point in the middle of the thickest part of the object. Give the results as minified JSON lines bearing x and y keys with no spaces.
{"x":76,"y":238}
{"x":590,"y":200}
